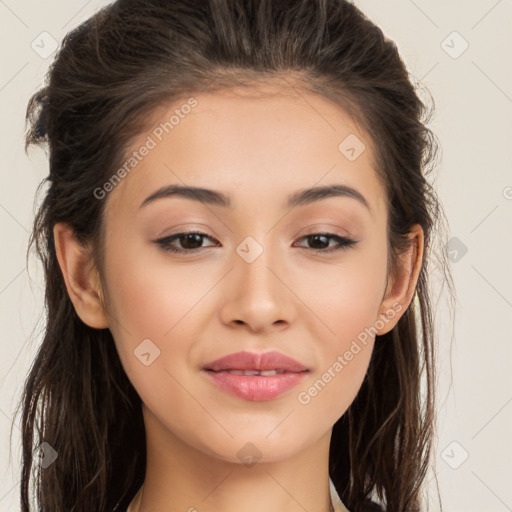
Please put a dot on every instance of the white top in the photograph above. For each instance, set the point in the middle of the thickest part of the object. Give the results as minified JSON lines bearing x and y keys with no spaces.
{"x":336,"y":502}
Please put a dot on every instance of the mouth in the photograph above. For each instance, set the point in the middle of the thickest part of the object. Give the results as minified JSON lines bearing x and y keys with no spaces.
{"x":255,"y":377}
{"x":252,"y":372}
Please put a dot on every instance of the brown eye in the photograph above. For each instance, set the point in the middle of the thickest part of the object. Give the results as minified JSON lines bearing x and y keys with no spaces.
{"x":189,"y":241}
{"x":320,"y":242}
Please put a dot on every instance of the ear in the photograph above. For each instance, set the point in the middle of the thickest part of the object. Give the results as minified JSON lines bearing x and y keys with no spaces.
{"x":401,"y":287}
{"x":80,"y":276}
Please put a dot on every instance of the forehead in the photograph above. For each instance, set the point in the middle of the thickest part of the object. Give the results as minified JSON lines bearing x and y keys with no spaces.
{"x":262,"y":142}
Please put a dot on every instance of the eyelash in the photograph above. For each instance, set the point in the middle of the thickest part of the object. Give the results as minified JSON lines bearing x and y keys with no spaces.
{"x":344,"y":243}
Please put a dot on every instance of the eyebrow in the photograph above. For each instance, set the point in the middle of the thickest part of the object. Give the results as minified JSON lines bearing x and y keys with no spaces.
{"x":299,"y":198}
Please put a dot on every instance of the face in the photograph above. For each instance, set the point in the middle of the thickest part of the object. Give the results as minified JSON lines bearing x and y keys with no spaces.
{"x":268,"y":269}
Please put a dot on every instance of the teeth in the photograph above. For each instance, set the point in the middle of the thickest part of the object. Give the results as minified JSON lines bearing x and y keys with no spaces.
{"x":256,"y":372}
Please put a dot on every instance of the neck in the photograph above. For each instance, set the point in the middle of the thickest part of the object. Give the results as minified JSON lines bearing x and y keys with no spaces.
{"x":180,"y":477}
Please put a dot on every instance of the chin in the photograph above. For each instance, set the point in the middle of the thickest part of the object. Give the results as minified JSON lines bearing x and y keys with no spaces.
{"x":251,"y":448}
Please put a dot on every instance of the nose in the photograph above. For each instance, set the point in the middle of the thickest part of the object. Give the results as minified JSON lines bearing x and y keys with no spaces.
{"x":256,"y":295}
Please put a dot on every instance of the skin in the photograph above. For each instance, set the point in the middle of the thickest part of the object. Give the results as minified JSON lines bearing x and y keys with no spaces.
{"x":257,"y":147}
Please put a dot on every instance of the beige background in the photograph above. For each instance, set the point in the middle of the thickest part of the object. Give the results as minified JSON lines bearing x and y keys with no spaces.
{"x":473,"y":95}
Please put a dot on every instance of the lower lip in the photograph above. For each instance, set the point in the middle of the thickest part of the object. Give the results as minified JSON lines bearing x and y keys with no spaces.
{"x":256,"y":387}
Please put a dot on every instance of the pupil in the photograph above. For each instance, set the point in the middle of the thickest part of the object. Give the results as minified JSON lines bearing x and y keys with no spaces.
{"x":316,"y":238}
{"x":191,"y":237}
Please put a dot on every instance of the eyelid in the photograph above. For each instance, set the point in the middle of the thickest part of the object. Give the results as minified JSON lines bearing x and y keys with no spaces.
{"x":324,"y":227}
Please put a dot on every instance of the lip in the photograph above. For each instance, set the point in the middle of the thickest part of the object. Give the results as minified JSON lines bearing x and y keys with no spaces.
{"x":263,"y":361}
{"x":255,"y":387}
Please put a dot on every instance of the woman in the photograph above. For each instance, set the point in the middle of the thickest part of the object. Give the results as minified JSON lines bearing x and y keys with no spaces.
{"x":235,"y":240}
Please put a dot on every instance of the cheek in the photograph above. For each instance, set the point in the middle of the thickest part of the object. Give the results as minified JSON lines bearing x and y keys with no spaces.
{"x":160,"y":303}
{"x":334,"y":387}
{"x":151,"y":294}
{"x":154,"y":298}
{"x":346,"y":292}
{"x":346,"y":298}
{"x":348,"y":309}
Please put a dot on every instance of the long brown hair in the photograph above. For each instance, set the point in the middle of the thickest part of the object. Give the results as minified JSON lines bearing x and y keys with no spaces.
{"x":108,"y":76}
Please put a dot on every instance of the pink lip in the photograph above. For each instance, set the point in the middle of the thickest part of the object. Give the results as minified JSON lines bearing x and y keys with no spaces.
{"x":256,"y":387}
{"x":253,"y":361}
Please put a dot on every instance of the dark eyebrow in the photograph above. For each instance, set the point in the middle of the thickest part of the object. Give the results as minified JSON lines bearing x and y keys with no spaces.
{"x":213,"y":197}
{"x":309,"y":195}
{"x":204,"y":195}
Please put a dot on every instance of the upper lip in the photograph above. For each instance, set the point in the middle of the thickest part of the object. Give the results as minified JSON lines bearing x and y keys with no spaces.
{"x":264,"y":361}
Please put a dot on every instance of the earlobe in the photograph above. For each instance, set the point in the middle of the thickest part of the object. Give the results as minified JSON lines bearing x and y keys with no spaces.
{"x":80,"y":276}
{"x":401,"y":288}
